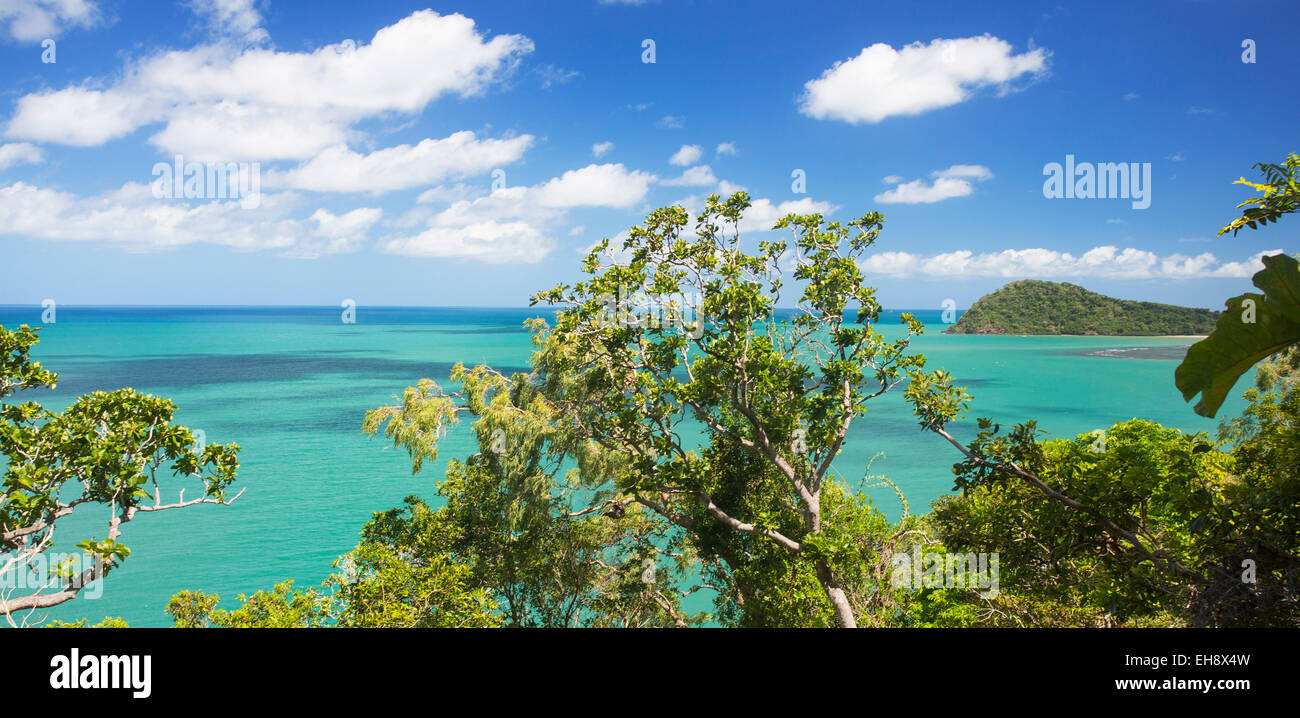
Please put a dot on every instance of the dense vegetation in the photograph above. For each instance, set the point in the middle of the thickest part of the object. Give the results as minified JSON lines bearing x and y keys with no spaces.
{"x":1220,"y":527}
{"x":1031,"y":306}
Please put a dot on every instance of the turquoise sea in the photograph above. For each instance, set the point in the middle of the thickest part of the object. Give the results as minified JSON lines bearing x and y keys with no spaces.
{"x":290,"y":386}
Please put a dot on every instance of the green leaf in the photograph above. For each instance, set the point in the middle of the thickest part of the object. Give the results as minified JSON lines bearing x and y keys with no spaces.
{"x":1214,"y":364}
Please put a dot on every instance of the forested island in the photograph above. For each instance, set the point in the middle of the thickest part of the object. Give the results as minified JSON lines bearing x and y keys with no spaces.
{"x":1032,"y":306}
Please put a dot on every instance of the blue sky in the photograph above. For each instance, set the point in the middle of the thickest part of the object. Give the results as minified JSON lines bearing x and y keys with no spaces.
{"x":377,"y":129}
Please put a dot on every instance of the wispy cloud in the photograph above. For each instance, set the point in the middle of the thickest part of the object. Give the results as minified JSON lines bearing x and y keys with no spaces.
{"x":671,"y":122}
{"x":133,"y":218}
{"x":552,"y":75}
{"x":947,"y":184}
{"x":339,"y":169}
{"x":35,"y":20}
{"x":238,"y":19}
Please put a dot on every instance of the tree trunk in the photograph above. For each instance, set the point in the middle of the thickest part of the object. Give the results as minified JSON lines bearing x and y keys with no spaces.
{"x":835,"y":592}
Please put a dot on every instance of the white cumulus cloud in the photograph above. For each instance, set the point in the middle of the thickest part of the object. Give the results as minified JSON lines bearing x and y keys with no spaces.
{"x":212,"y":99}
{"x":18,"y":153}
{"x":686,"y":156}
{"x":882,"y":82}
{"x":492,"y":242}
{"x":699,"y":176}
{"x":979,"y":172}
{"x":516,"y":224}
{"x":608,"y":185}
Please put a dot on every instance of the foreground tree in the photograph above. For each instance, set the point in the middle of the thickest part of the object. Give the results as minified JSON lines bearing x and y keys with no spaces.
{"x":671,"y":368}
{"x":761,"y":583}
{"x":105,"y":451}
{"x":783,"y":393}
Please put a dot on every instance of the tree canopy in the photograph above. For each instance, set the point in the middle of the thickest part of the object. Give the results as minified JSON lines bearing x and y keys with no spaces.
{"x":108,"y":449}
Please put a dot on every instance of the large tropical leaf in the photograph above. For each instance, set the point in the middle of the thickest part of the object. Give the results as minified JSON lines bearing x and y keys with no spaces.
{"x":1214,"y":364}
